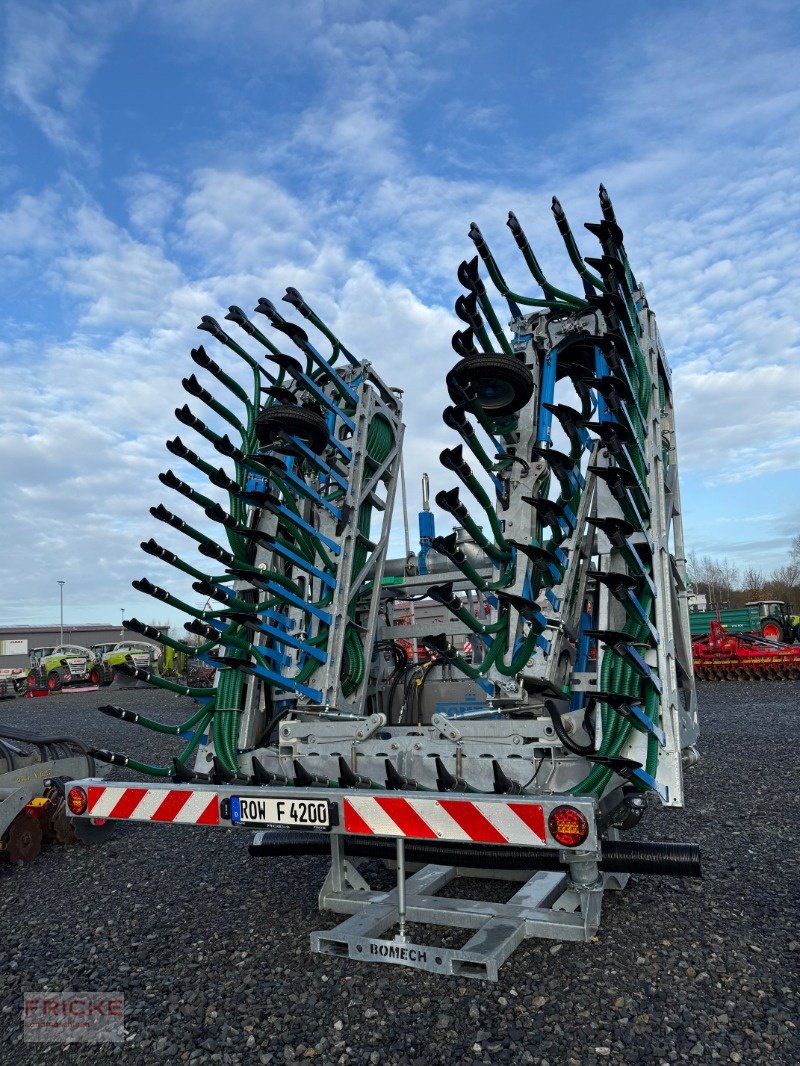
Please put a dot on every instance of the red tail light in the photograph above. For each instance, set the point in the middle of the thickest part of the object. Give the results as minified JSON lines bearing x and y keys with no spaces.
{"x":77,"y":800}
{"x":568,"y":826}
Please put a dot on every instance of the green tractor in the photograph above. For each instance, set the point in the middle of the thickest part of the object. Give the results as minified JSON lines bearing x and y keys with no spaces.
{"x":65,"y":664}
{"x":775,"y":621}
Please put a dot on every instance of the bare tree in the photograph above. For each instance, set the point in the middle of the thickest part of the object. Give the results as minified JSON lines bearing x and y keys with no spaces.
{"x":794,"y":559}
{"x":753,"y":584}
{"x":782,"y":584}
{"x":716,"y":578}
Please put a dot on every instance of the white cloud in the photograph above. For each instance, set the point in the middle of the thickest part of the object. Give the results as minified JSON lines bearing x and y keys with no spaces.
{"x":120,"y":285}
{"x":151,"y":200}
{"x":737,"y":425}
{"x":242,"y":222}
{"x":52,"y":51}
{"x":29,"y":226}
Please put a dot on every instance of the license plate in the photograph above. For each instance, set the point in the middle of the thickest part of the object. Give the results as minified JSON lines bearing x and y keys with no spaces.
{"x":251,"y":810}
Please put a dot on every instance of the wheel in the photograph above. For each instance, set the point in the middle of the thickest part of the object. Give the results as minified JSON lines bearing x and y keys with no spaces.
{"x":24,"y":839}
{"x":54,"y":681}
{"x":32,"y":680}
{"x":101,"y":674}
{"x":771,"y":629}
{"x":502,"y":384}
{"x":300,"y":422}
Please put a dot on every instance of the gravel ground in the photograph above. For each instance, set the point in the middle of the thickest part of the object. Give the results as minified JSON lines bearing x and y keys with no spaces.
{"x":210,"y":947}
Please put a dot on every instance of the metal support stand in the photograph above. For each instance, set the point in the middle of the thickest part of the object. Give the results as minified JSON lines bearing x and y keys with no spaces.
{"x":551,"y":905}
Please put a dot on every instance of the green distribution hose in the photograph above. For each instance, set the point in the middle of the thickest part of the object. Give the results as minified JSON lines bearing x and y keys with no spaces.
{"x":222,"y":705}
{"x":482,"y":497}
{"x":380,"y":441}
{"x":618,"y":675}
{"x":164,"y":771}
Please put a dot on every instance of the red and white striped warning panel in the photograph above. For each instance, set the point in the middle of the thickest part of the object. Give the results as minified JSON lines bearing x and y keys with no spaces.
{"x":181,"y":805}
{"x":446,"y":819}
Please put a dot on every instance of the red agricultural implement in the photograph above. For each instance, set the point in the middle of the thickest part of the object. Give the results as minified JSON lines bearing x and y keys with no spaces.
{"x":724,"y":656}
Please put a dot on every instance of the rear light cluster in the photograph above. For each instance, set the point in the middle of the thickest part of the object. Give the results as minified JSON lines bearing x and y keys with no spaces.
{"x":77,"y":800}
{"x":568,"y":826}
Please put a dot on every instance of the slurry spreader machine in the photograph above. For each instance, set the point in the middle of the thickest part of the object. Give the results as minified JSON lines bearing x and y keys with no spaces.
{"x":341,"y":721}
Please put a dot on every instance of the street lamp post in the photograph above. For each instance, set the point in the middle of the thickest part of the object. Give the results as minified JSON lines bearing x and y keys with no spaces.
{"x":61,"y":609}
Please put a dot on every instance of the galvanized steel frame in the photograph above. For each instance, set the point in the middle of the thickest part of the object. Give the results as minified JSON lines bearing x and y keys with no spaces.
{"x":549,"y":904}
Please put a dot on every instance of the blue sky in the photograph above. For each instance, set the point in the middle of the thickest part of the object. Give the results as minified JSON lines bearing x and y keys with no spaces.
{"x":162,"y":160}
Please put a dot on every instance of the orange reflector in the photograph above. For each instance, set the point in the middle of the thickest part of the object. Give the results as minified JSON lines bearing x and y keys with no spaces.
{"x":568,"y":826}
{"x":76,"y":800}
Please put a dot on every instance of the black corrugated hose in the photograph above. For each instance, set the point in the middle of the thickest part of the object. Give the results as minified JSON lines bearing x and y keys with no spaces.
{"x":617,"y":856}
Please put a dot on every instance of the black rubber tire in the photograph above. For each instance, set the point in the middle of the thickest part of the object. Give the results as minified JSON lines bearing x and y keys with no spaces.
{"x":100,"y":675}
{"x":772,"y":629}
{"x":300,"y":422}
{"x":54,"y":681}
{"x":503,"y":385}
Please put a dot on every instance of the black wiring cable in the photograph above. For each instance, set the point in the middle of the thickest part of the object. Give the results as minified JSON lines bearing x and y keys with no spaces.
{"x":588,"y":724}
{"x":563,"y":736}
{"x":409,"y":667}
{"x":263,"y":739}
{"x":394,"y":681}
{"x":438,"y":661}
{"x":407,"y":690}
{"x":535,"y":774}
{"x":398,"y":653}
